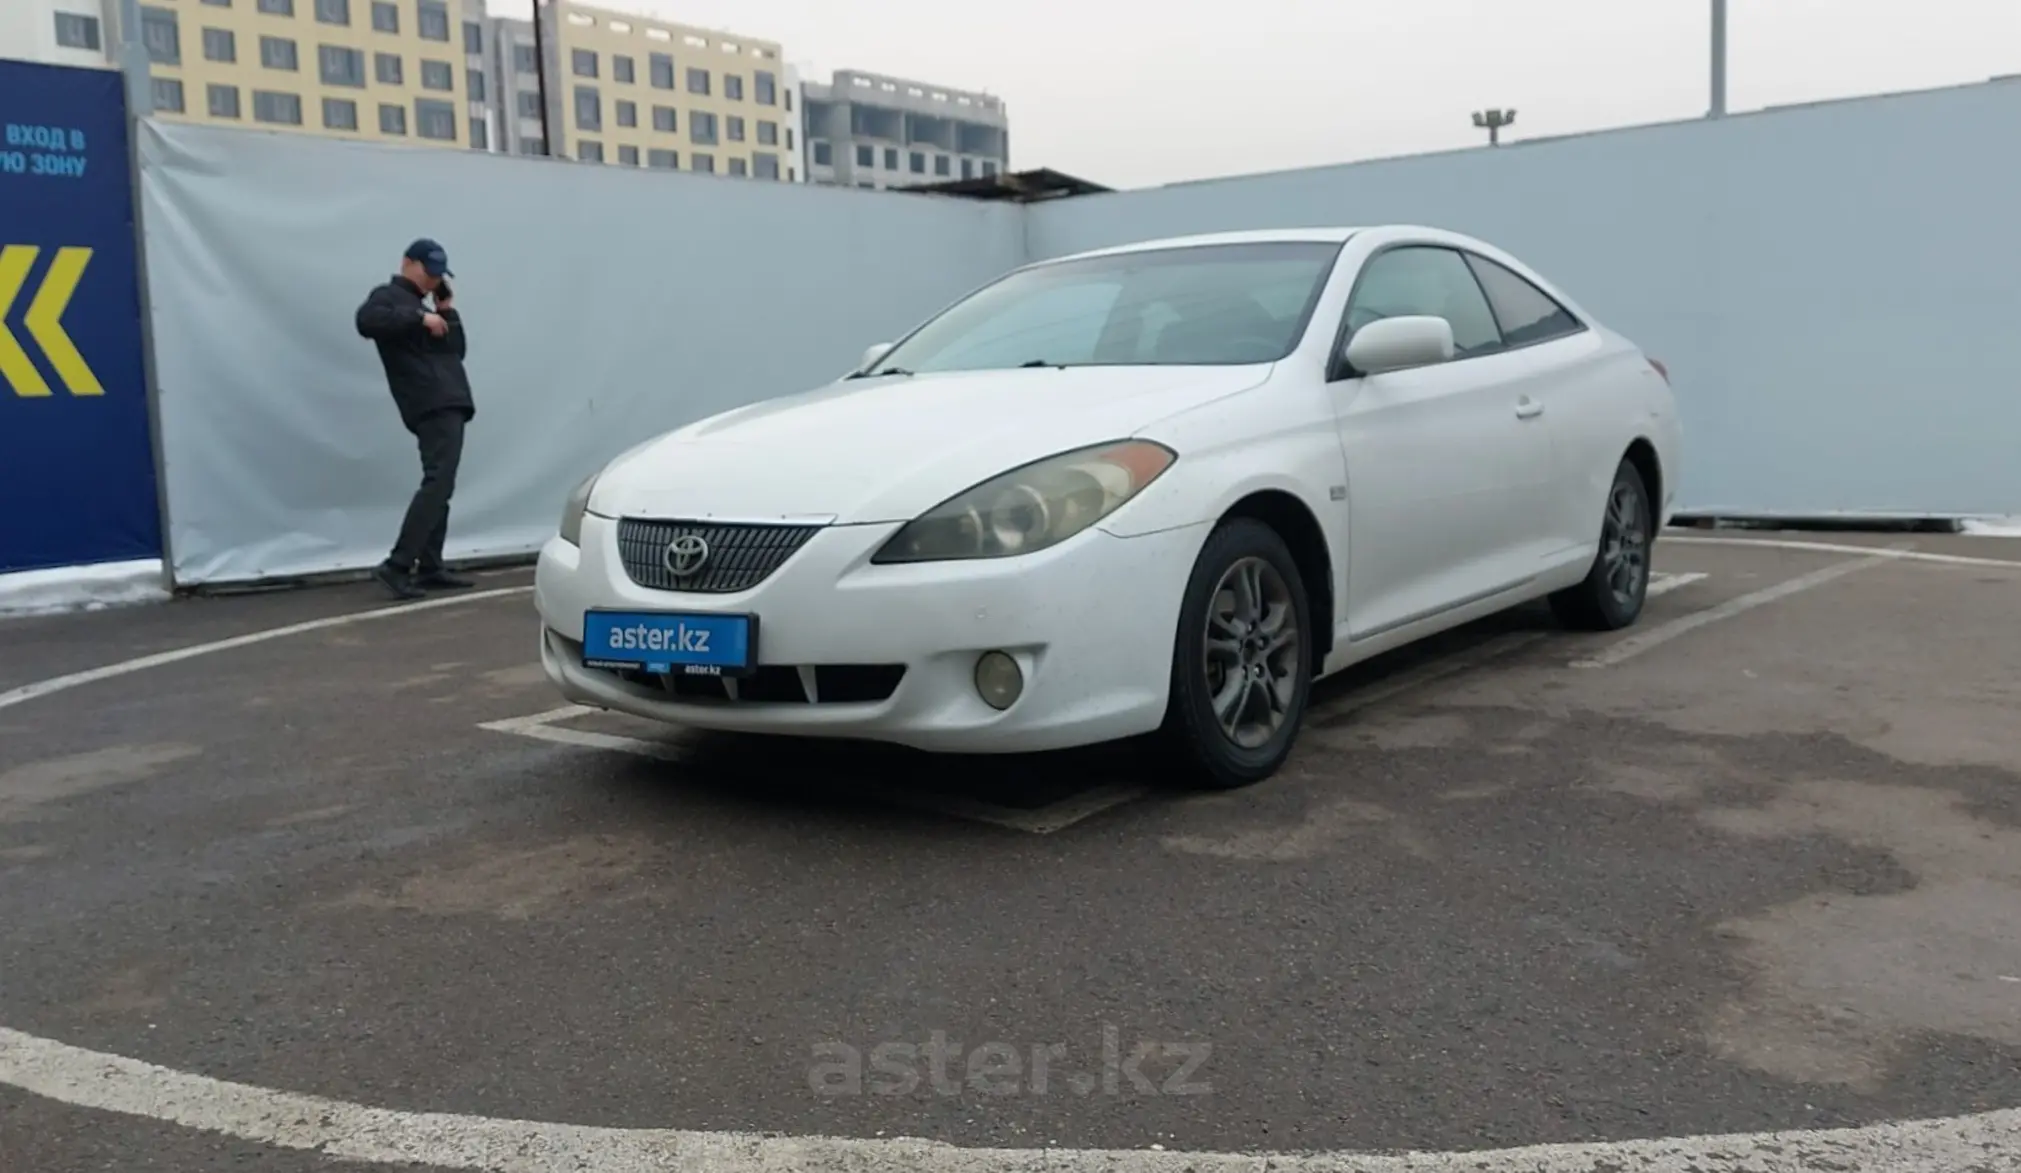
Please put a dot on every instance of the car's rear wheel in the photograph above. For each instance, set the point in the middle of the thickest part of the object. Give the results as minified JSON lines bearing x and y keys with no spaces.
{"x":1241,"y":661}
{"x":1612,"y":594}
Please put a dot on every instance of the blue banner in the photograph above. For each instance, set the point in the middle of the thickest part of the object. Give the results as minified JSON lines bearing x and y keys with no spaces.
{"x":77,"y":478}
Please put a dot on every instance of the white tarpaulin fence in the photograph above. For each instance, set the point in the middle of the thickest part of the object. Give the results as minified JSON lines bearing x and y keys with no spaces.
{"x":1832,"y":287}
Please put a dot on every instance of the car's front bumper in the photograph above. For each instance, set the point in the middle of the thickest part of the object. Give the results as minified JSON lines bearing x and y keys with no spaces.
{"x":1090,"y":623}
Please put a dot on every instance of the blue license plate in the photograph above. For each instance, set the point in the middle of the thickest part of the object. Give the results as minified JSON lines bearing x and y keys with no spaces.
{"x":661,"y":642}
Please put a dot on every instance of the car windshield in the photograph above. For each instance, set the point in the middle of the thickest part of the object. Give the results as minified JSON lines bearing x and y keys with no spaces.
{"x":1202,"y":305}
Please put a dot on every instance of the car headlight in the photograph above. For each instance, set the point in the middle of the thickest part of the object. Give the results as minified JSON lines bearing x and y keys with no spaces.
{"x":1030,"y":508}
{"x":573,"y":509}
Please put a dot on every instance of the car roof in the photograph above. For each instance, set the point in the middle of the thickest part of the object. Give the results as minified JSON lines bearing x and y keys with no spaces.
{"x":1316,"y":235}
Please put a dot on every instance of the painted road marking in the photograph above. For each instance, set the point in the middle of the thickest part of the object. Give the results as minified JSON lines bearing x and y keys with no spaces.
{"x":1900,"y":553}
{"x":1662,"y":583}
{"x":42,"y":688}
{"x":1663,"y":633}
{"x":354,"y":1132}
{"x":1044,"y":821}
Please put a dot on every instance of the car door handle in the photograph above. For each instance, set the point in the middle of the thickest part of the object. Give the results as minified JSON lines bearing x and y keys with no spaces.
{"x":1528,"y":409}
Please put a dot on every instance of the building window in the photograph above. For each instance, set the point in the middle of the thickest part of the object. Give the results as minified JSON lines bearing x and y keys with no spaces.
{"x":473,"y":38}
{"x":278,"y":53}
{"x":386,"y":67}
{"x":77,"y":32}
{"x":438,"y":75}
{"x":940,"y":165}
{"x":624,"y":69}
{"x":739,"y":167}
{"x":701,"y":162}
{"x":663,"y":119}
{"x":523,"y":60}
{"x":159,"y":32}
{"x":480,"y":135}
{"x":824,"y":154}
{"x":764,"y":89}
{"x":277,"y":7}
{"x":629,"y":156}
{"x":733,"y":87}
{"x":333,"y":11}
{"x":663,"y":160}
{"x":220,"y":45}
{"x":698,"y":80}
{"x":968,"y":168}
{"x":583,"y":62}
{"x":532,"y":146}
{"x":392,"y":119}
{"x":341,"y":66}
{"x":529,"y":104}
{"x":432,"y":20}
{"x":661,"y":67}
{"x":988,"y":168}
{"x":474,"y":79}
{"x":222,"y":100}
{"x":733,"y":127}
{"x":768,"y":133}
{"x":385,"y":17}
{"x":891,"y":158}
{"x":627,"y":113}
{"x":340,"y":114}
{"x":866,"y":155}
{"x":789,"y":138}
{"x":702,"y":127}
{"x":589,"y":151}
{"x":588,"y":108}
{"x":765,"y":166}
{"x":435,"y":119}
{"x":918,"y":162}
{"x":788,"y":96}
{"x":219,"y":3}
{"x":167,"y":95}
{"x":278,"y":108}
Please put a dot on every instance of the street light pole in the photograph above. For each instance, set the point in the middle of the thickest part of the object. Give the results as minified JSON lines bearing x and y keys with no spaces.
{"x":1493,"y":121}
{"x":1718,"y":109}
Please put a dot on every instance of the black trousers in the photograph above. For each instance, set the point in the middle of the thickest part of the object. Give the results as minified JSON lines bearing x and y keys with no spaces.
{"x":440,"y":437}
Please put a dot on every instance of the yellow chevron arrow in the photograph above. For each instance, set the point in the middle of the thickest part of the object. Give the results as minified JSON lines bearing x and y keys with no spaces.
{"x":15,"y":367}
{"x":44,"y":320}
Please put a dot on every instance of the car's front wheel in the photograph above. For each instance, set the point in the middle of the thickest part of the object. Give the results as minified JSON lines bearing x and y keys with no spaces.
{"x":1614,"y":590}
{"x":1241,"y":662}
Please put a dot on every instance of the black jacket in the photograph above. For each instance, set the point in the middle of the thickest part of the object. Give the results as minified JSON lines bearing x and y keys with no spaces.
{"x":425,"y":373}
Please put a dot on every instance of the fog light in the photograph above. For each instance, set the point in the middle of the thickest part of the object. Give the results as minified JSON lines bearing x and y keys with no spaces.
{"x":998,"y":680}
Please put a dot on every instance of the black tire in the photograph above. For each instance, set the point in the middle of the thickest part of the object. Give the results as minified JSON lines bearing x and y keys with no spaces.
{"x":1202,"y":753}
{"x":1612,"y":594}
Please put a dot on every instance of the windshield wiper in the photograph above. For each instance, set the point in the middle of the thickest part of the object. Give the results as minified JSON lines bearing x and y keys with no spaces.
{"x":880,"y":374}
{"x":1040,"y":362}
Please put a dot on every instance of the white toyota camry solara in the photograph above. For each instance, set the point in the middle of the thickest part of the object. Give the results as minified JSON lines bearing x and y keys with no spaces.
{"x":1150,"y":490}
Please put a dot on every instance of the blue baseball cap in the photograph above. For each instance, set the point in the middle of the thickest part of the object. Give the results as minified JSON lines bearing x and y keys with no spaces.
{"x":434,"y":259}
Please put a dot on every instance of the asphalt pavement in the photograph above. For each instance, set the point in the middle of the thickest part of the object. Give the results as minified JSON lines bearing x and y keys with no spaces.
{"x":1752,"y":865}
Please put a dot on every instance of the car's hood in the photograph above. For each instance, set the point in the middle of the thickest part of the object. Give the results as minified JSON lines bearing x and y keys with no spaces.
{"x":887,"y":449}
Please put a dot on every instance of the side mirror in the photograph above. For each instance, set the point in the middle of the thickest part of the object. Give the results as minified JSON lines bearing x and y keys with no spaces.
{"x":873,"y":354}
{"x":1395,"y":344}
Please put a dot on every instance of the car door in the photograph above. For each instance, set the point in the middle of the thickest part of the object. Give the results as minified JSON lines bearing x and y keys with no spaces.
{"x":1559,"y":365}
{"x":1447,"y":468}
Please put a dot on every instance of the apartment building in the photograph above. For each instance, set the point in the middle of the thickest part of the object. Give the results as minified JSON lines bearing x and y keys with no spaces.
{"x":61,"y":32}
{"x":386,"y":70}
{"x":872,"y":130}
{"x":635,"y":91}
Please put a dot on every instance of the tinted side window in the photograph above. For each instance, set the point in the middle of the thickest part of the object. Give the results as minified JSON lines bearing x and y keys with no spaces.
{"x":1419,"y":279}
{"x":1527,"y":314}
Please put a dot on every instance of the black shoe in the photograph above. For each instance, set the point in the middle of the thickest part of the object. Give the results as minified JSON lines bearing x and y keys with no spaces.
{"x":399,"y":583}
{"x":441,"y":580}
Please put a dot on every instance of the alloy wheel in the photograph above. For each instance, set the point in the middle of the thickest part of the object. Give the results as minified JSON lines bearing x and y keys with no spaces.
{"x":1624,"y":544}
{"x":1251,"y":652}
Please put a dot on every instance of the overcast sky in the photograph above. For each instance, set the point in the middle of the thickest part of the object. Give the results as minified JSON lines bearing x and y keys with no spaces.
{"x":1138,"y":92}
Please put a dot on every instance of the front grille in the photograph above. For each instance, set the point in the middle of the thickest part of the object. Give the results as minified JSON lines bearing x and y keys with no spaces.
{"x":739,"y":556}
{"x":834,"y":684}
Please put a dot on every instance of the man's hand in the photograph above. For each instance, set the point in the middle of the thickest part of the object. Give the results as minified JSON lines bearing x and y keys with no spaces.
{"x":435,"y":323}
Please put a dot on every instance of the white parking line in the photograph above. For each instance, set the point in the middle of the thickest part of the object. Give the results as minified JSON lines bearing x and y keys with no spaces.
{"x":1663,"y":633}
{"x":1899,"y":553}
{"x":353,"y":1132}
{"x":1043,"y":821}
{"x":1662,"y":583}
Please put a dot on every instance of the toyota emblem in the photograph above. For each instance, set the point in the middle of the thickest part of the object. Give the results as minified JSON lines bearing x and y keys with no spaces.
{"x":686,"y":554}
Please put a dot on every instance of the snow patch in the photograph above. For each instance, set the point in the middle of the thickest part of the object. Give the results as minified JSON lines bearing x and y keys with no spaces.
{"x":81,"y":588}
{"x":1992,"y":527}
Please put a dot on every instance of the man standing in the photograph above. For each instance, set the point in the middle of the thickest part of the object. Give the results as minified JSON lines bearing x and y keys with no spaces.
{"x":422,"y":349}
